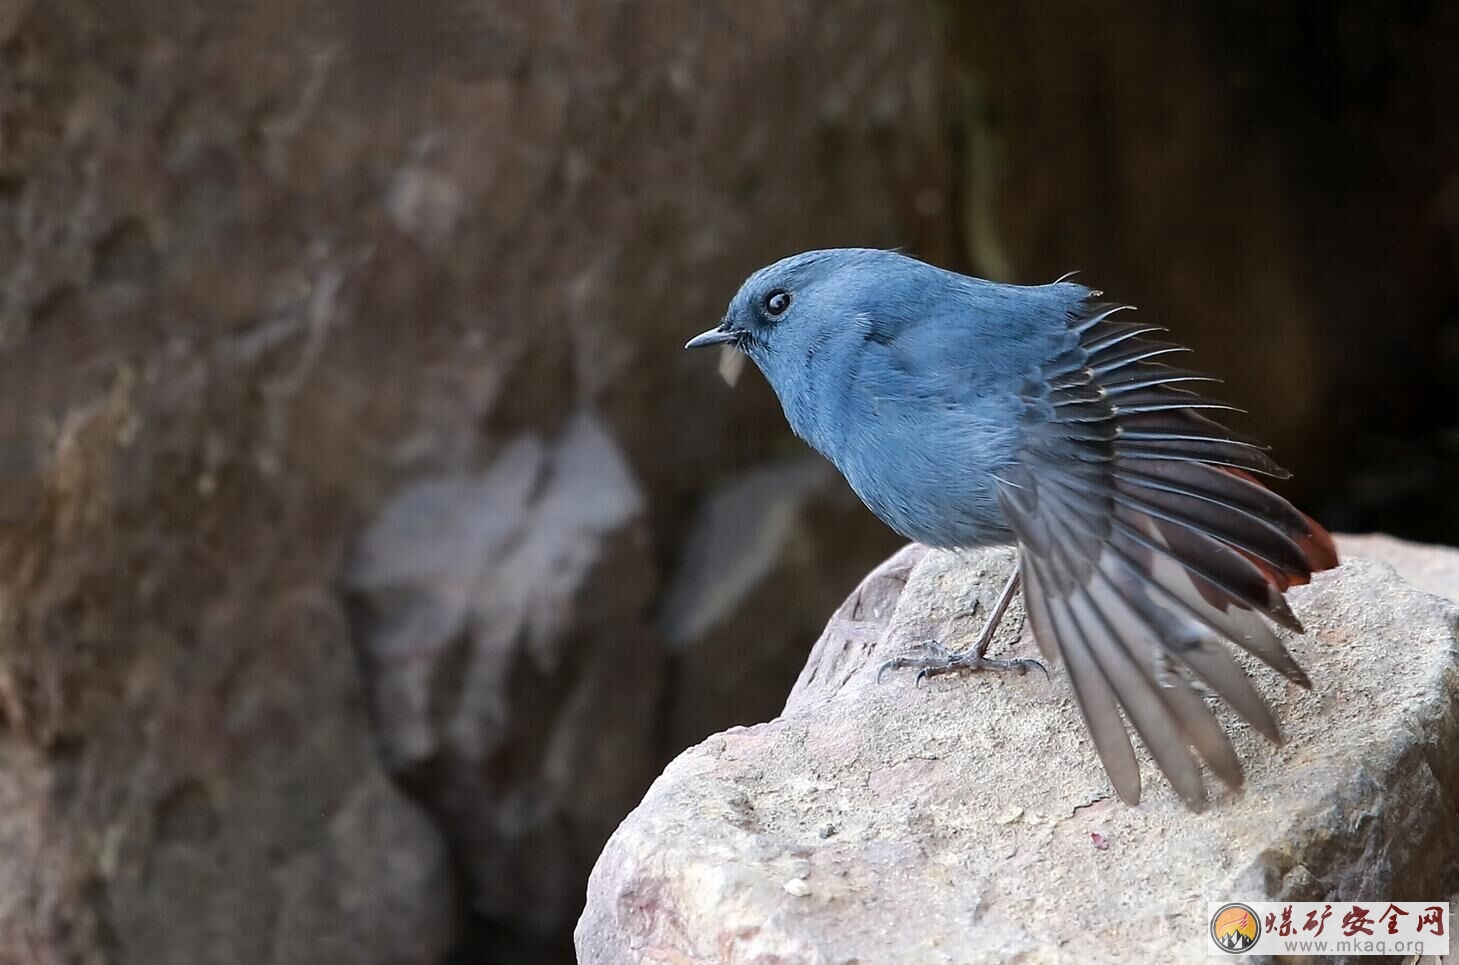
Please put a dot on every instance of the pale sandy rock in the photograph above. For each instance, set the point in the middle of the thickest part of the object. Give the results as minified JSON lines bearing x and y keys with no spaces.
{"x":1430,"y":568}
{"x":969,"y":821}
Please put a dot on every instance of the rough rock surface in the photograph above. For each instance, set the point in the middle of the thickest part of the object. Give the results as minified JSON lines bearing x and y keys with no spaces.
{"x":969,"y":821}
{"x":278,"y":282}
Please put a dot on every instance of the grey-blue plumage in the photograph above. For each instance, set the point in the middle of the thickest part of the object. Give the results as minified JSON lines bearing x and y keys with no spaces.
{"x":967,"y":413}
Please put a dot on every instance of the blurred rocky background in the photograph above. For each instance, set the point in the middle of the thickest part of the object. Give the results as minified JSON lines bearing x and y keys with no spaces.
{"x":367,"y":545}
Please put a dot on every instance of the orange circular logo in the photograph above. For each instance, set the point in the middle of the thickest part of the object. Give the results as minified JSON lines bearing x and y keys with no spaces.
{"x":1235,"y":928}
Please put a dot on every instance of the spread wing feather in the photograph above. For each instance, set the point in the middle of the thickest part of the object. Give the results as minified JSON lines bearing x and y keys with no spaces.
{"x":1147,"y":545}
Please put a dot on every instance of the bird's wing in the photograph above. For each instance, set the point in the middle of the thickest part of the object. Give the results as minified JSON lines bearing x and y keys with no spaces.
{"x":1145,"y":541}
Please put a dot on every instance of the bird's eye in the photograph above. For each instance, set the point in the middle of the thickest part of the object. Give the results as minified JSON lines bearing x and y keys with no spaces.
{"x":777,"y":302}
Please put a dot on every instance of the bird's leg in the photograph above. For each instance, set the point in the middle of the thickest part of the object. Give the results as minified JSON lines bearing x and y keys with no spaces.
{"x":939,"y":660}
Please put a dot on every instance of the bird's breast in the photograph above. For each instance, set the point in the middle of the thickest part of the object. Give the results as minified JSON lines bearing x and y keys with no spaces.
{"x":926,"y":471}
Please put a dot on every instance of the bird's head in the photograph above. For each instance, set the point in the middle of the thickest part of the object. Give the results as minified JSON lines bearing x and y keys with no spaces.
{"x":784,"y":313}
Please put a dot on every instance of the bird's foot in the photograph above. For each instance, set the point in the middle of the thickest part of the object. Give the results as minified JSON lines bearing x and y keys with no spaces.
{"x":938,"y":660}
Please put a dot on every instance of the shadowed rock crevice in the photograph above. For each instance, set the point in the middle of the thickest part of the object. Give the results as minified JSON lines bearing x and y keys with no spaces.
{"x":1267,"y":179}
{"x":488,"y":701}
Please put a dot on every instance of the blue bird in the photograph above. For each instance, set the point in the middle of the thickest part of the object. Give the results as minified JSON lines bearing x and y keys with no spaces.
{"x":968,"y":413}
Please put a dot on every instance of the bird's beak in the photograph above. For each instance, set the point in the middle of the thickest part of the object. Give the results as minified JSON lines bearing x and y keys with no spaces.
{"x":715,"y":336}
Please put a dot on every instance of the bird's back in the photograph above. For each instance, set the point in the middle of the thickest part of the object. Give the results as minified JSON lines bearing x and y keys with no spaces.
{"x":920,"y":401}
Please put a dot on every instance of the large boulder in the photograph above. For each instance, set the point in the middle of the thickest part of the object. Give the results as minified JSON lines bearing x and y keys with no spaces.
{"x":969,"y":820}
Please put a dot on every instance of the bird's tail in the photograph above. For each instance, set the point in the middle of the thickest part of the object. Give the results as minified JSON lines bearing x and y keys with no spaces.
{"x":1145,"y":539}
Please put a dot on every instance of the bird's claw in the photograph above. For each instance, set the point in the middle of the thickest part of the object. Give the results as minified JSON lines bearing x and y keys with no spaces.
{"x":938,"y":661}
{"x":937,"y":654}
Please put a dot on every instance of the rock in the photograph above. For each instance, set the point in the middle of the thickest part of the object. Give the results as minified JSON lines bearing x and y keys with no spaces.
{"x":1430,"y":568}
{"x":757,"y":537}
{"x":490,"y":702}
{"x":281,"y":281}
{"x":970,"y":820}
